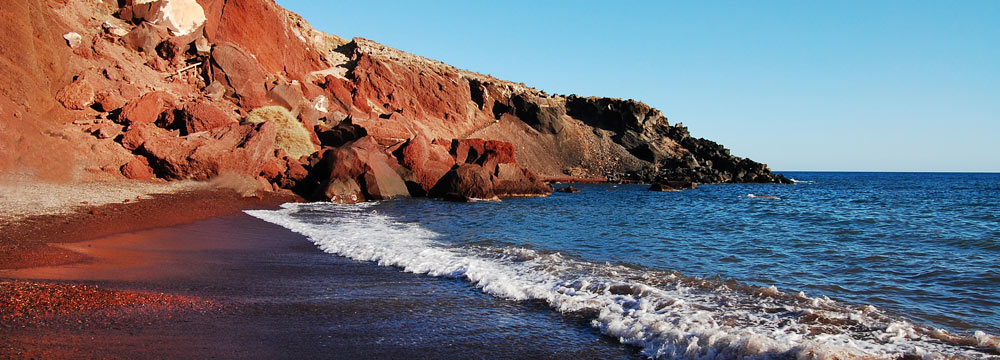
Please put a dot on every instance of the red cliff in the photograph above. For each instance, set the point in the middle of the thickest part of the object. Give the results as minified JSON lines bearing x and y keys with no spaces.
{"x":114,"y":88}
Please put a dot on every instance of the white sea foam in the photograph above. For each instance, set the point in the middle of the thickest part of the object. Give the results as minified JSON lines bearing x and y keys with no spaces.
{"x":666,"y":314}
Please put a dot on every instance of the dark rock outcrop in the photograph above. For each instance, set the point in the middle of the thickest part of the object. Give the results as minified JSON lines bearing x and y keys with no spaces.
{"x":357,"y":171}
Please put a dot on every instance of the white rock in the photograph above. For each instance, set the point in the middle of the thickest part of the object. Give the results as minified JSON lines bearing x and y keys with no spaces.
{"x":182,"y":17}
{"x":73,"y":39}
{"x":114,"y":29}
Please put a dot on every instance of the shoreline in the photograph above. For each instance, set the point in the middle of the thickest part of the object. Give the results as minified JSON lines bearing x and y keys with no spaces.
{"x":31,"y":241}
{"x":233,"y":286}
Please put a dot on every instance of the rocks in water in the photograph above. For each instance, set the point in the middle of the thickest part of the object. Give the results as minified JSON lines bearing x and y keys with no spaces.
{"x":243,"y":149}
{"x":428,"y":162}
{"x":357,"y":171}
{"x":569,"y":190}
{"x":486,"y":170}
{"x":467,"y":182}
{"x":670,"y":185}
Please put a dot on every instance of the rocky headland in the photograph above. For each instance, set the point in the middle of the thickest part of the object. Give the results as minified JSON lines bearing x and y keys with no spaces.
{"x":186,"y":89}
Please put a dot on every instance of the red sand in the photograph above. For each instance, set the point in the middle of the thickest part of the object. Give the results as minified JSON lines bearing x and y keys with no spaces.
{"x":28,"y":243}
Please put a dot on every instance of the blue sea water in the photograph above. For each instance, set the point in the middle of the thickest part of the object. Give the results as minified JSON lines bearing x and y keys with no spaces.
{"x":866,"y":264}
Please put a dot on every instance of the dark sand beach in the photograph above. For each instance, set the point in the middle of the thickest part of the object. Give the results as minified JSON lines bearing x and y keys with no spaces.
{"x":237,"y":287}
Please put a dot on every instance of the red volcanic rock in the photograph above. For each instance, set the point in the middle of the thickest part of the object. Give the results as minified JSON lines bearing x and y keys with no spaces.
{"x":203,"y":116}
{"x":138,"y":169}
{"x":501,"y":151}
{"x":362,"y":162}
{"x":467,"y":182}
{"x":78,"y":95}
{"x":429,"y":162}
{"x":513,"y":180}
{"x":237,"y":148}
{"x":272,"y":170}
{"x":137,"y":134}
{"x":340,"y":91}
{"x":137,"y":13}
{"x":262,"y":29}
{"x":109,"y":100}
{"x":146,"y":109}
{"x":146,"y":37}
{"x":467,"y":150}
{"x":439,"y":99}
{"x":237,"y":69}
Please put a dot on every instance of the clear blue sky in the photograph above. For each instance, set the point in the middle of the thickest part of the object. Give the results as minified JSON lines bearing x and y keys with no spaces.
{"x":800,"y":85}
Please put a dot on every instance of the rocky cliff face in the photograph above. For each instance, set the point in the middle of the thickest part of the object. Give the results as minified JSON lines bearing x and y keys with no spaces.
{"x":164,"y":88}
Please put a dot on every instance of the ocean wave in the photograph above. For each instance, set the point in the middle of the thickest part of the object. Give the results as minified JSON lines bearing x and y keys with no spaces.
{"x":666,"y":314}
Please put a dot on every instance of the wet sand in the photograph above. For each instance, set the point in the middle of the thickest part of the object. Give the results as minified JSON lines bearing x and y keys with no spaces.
{"x":238,"y":287}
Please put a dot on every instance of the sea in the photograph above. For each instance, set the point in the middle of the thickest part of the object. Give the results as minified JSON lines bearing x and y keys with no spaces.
{"x":837,"y":266}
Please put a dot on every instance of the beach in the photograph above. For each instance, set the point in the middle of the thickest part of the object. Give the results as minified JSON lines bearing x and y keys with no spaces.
{"x":216,"y":283}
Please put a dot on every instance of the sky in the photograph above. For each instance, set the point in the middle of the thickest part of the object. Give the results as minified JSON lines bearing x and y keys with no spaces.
{"x":799,"y":85}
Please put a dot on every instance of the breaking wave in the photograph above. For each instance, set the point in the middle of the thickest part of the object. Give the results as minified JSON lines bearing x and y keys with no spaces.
{"x":666,"y":314}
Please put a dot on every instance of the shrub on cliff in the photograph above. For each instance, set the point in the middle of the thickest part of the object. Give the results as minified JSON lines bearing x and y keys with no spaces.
{"x":292,"y":136}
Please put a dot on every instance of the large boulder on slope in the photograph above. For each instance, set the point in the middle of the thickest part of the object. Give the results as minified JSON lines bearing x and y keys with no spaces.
{"x":146,"y":109}
{"x":243,"y":149}
{"x":240,"y":73}
{"x":78,"y":95}
{"x":203,"y":116}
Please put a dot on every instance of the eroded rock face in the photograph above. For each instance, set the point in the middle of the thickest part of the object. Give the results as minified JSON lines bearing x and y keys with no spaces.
{"x":357,"y":171}
{"x":486,"y":169}
{"x":240,"y":73}
{"x":243,"y":149}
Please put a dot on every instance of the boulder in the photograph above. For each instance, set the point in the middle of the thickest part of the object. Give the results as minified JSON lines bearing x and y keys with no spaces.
{"x":427,"y":162}
{"x":272,"y":170}
{"x":203,"y":116}
{"x":341,"y":134}
{"x":109,"y":100}
{"x":512,"y":180}
{"x":569,"y":190}
{"x":137,"y":134}
{"x":73,"y":39}
{"x":362,"y":163}
{"x":146,"y":37}
{"x":146,"y":109}
{"x":467,"y":182}
{"x":138,"y":169}
{"x":181,"y":17}
{"x":78,"y":95}
{"x":467,"y":150}
{"x":243,"y":149}
{"x":240,"y":73}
